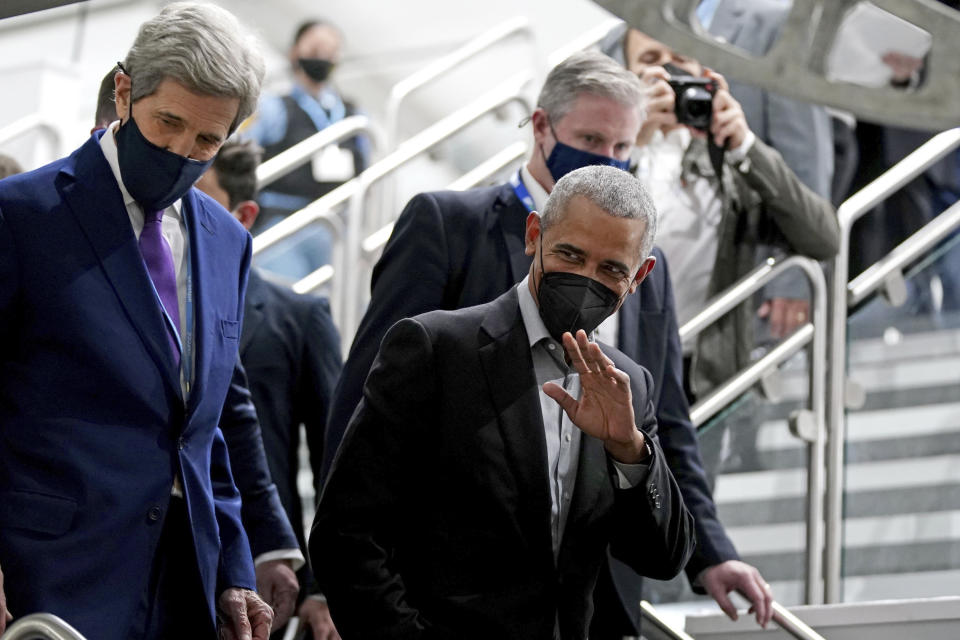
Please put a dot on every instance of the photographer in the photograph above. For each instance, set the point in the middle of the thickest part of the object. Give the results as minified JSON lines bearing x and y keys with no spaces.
{"x":713,"y":230}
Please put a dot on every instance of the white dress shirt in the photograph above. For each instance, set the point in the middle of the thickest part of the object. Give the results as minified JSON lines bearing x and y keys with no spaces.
{"x":562,"y":436}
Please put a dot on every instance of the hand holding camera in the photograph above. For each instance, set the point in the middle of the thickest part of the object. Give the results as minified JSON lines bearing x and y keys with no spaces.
{"x":702,"y":103}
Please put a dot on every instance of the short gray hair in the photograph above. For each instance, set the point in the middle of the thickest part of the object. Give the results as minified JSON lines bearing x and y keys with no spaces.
{"x":204,"y":48}
{"x":589,"y":72}
{"x":617,"y":192}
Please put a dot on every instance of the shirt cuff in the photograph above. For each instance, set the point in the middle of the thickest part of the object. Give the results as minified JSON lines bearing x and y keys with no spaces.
{"x":630,"y":475}
{"x":295,"y":556}
{"x":737,"y":155}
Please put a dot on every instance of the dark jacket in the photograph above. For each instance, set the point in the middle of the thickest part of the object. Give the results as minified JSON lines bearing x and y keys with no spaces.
{"x":435,"y":519}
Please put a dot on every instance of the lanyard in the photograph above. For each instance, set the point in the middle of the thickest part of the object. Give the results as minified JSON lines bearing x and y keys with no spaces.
{"x":523,"y":194}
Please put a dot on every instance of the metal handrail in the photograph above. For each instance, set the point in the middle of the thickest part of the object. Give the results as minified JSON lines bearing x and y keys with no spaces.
{"x":27,"y":124}
{"x":509,"y":92}
{"x":792,"y":624}
{"x":813,"y":333}
{"x":904,"y":254}
{"x":303,"y":218}
{"x":439,"y":67}
{"x":288,"y":160}
{"x":652,"y":619}
{"x":584,"y":41}
{"x":849,"y":212}
{"x":489,"y":167}
{"x":41,"y":626}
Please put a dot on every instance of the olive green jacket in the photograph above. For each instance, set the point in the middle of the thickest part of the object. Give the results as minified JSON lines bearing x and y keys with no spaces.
{"x":767,"y":211}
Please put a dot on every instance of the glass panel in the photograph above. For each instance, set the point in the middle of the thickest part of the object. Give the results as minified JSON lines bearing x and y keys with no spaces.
{"x":902,"y":502}
{"x":875,"y":48}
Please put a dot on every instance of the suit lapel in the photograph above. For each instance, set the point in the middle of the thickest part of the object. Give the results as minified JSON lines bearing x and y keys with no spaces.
{"x":92,"y":194}
{"x":512,"y":216}
{"x":508,"y":369}
{"x":253,"y":310}
{"x":202,"y":231}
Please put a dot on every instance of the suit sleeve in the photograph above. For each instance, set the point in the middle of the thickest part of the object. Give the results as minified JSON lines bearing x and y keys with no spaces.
{"x":678,"y":440}
{"x":653,"y":531}
{"x":320,"y":367}
{"x":365,"y":498}
{"x":410,"y":278}
{"x":9,"y":283}
{"x":807,"y":222}
{"x":263,"y":516}
{"x":236,"y":563}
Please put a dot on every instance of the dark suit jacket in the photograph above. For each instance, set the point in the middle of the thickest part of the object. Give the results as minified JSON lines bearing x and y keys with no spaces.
{"x":93,"y":426}
{"x":291,"y":352}
{"x":435,"y":519}
{"x":457,"y":249}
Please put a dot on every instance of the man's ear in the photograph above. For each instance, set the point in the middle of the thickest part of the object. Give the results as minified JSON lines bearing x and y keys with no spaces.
{"x":645,"y":268}
{"x":541,"y":125}
{"x":246,"y":212}
{"x":122,"y":86}
{"x":532,"y":233}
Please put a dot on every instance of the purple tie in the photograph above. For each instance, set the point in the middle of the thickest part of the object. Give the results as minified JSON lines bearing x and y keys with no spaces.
{"x":159,"y":260}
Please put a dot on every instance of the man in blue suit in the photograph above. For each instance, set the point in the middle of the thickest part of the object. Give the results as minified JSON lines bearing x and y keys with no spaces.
{"x":451,"y":250}
{"x":121,"y":297}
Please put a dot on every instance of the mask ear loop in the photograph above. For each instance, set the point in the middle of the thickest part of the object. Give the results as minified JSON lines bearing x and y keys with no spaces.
{"x":542,"y":272}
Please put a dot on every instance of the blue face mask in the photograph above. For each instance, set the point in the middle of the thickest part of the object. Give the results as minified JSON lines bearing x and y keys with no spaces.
{"x":564,"y":159}
{"x":155,"y":177}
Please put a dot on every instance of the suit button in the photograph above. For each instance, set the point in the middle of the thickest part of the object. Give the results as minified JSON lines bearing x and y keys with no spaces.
{"x":154,"y":513}
{"x":181,"y":443}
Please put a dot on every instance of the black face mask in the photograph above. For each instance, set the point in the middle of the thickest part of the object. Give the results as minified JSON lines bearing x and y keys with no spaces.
{"x":569,"y":302}
{"x":154,"y":176}
{"x":317,"y":69}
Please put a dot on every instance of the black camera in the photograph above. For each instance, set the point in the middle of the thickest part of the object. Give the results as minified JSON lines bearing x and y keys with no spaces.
{"x":694,"y":103}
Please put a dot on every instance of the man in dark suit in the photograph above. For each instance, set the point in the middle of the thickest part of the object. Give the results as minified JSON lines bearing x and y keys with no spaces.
{"x":121,"y":293}
{"x":464,"y":503}
{"x":290,"y":349}
{"x":456,"y":249}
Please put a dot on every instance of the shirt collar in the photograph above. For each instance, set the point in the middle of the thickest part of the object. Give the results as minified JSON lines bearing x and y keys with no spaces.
{"x":537,"y":192}
{"x":108,"y":145}
{"x":532,"y":322}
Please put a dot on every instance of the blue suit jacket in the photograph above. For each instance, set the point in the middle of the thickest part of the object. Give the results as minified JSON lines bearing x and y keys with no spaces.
{"x":93,"y":427}
{"x":451,"y":250}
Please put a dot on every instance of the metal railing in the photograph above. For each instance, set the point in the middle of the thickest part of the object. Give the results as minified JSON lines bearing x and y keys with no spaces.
{"x":511,"y":91}
{"x":302,"y":152}
{"x":30,"y":123}
{"x":584,"y":41}
{"x":809,"y":426}
{"x":488,"y":168}
{"x":844,"y":294}
{"x":793,"y":625}
{"x":41,"y":626}
{"x":656,"y":628}
{"x":422,"y":77}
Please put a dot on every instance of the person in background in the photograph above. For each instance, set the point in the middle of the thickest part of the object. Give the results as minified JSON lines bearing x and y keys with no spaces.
{"x":456,"y":249}
{"x":312,"y":105}
{"x":484,"y":476}
{"x":9,"y":166}
{"x":290,"y":349}
{"x":121,"y":300}
{"x":717,"y":228}
{"x":276,"y":548}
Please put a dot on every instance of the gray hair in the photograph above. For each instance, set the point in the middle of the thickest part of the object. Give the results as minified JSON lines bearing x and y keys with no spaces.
{"x":617,"y":192}
{"x":589,"y":72}
{"x":204,"y":48}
